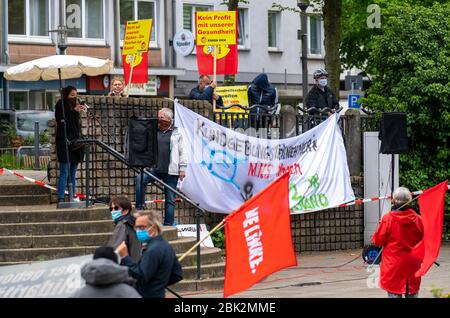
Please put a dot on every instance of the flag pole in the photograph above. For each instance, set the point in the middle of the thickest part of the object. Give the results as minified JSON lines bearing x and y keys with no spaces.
{"x":131,"y":73}
{"x":214,"y":75}
{"x":218,"y":226}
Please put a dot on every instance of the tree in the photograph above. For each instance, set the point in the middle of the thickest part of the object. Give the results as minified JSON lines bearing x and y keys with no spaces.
{"x":232,"y":6}
{"x":410,"y":67}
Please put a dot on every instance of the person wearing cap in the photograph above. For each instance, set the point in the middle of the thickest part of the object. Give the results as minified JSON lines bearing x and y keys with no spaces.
{"x":320,"y":96}
{"x":399,"y":232}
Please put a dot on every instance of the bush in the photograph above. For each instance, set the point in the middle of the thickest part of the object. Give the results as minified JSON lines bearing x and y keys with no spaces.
{"x":218,"y":238}
{"x":410,"y":61}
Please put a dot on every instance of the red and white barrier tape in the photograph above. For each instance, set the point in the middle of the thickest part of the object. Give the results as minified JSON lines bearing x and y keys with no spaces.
{"x":79,"y":195}
{"x":39,"y":183}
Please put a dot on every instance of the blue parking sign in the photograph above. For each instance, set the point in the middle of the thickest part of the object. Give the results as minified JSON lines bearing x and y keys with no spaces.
{"x":353,"y":101}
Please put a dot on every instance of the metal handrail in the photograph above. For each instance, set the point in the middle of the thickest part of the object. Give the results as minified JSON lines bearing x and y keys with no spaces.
{"x":322,"y":111}
{"x":158,"y":183}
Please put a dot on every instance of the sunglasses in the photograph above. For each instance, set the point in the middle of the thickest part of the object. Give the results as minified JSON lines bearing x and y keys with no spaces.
{"x":114,"y":208}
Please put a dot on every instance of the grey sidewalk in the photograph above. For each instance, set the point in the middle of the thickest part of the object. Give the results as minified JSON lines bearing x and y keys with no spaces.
{"x":349,"y":281}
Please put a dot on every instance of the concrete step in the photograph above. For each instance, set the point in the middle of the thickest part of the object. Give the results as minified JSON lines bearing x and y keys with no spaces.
{"x":56,"y":228}
{"x":77,"y":240}
{"x":196,"y":285}
{"x":49,"y":241}
{"x":19,"y":199}
{"x":23,"y":189}
{"x":207,"y":256}
{"x":207,"y":271}
{"x":43,"y":254}
{"x":55,"y":215}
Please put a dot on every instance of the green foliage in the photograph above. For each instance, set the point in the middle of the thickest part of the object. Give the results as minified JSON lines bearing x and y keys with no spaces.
{"x":410,"y":67}
{"x":10,"y":161}
{"x":218,"y":238}
{"x":438,"y":293}
{"x":8,"y":129}
{"x":28,"y":141}
{"x":358,"y":39}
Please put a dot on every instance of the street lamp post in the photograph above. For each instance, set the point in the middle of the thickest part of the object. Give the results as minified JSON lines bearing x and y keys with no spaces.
{"x":304,"y":57}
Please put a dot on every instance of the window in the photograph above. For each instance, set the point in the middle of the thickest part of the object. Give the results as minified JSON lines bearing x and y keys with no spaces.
{"x":242,"y":27}
{"x":138,"y":10}
{"x":315,"y":35}
{"x":273,"y":29}
{"x":84,"y":19}
{"x":28,"y":17}
{"x":18,"y":100}
{"x":189,"y":15}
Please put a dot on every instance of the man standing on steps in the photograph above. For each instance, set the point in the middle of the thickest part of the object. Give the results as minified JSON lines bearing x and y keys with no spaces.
{"x":171,"y":165}
{"x":158,"y":266}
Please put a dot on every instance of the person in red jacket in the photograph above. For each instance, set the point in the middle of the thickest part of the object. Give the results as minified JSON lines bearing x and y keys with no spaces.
{"x":398,"y":233}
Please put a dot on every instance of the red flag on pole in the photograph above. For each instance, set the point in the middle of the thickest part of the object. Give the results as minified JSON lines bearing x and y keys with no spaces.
{"x":227,"y":60}
{"x":258,"y":238}
{"x":431,"y":204}
{"x":140,"y":70}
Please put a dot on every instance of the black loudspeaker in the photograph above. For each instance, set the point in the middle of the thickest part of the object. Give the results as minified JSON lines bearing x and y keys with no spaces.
{"x":393,"y":136}
{"x":142,"y":142}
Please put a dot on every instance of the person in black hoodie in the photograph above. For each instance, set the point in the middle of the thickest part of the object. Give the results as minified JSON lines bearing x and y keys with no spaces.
{"x":124,"y":221}
{"x":158,"y":266}
{"x":73,"y":126}
{"x":261,"y":92}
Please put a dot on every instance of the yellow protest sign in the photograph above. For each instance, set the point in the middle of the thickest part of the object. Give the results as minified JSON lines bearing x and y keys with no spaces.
{"x":233,"y":95}
{"x":215,"y":27}
{"x":137,"y":36}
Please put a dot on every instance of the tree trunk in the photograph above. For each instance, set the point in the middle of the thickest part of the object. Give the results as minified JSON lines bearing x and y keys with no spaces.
{"x":332,"y":10}
{"x":232,"y":6}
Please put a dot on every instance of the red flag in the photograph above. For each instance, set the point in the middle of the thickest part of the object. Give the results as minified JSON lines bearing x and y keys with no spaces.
{"x":431,"y":204}
{"x":1,"y":171}
{"x":258,"y":238}
{"x":140,"y":70}
{"x":227,"y":65}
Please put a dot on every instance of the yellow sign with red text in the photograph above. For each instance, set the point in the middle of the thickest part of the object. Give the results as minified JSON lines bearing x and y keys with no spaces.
{"x":137,"y":36}
{"x":216,"y":27}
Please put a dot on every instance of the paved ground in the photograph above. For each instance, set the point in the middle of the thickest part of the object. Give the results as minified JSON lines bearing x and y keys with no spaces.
{"x":9,"y":179}
{"x":349,"y":281}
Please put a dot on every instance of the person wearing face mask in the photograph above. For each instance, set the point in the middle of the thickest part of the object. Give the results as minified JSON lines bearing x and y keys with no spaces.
{"x":72,"y":110}
{"x":158,"y":266}
{"x":320,"y":96}
{"x":171,"y":165}
{"x":124,"y":222}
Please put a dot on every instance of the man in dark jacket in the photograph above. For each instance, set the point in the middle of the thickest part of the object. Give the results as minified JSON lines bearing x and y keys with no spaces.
{"x":205,"y":91}
{"x":120,"y":208}
{"x":261,"y":92}
{"x":105,"y":278}
{"x":320,"y":96}
{"x":158,"y":266}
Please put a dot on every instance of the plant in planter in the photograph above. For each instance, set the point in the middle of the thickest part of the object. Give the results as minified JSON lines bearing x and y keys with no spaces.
{"x":9,"y":130}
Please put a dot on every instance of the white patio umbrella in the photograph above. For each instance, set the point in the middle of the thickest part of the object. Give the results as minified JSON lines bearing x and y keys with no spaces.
{"x":59,"y":67}
{"x":47,"y":68}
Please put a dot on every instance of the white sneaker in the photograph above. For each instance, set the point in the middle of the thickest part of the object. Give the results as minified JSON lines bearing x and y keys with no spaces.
{"x":76,"y":199}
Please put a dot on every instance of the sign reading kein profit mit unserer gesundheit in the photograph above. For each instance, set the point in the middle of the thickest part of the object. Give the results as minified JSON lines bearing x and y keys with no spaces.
{"x":216,"y":27}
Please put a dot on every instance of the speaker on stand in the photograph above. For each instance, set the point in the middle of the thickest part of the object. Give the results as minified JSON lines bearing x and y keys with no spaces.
{"x":393,"y":137}
{"x":142,"y":144}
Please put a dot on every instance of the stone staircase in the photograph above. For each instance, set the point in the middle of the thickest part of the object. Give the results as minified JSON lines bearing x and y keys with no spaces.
{"x":33,"y":230}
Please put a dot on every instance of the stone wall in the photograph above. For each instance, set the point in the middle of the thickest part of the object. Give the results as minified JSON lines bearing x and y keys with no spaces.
{"x":340,"y":228}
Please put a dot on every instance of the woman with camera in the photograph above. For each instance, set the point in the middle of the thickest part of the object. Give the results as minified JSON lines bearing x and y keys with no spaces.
{"x":68,"y":169}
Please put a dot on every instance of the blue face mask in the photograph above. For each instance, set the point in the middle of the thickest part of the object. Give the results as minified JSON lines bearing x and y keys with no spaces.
{"x":323,"y":82}
{"x":116,"y":214}
{"x":143,"y":236}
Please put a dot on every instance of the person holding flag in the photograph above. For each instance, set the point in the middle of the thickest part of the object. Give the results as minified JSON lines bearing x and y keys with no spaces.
{"x":398,"y":233}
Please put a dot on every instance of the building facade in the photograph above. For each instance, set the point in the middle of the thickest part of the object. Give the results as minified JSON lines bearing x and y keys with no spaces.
{"x":92,"y":32}
{"x":267,"y":38}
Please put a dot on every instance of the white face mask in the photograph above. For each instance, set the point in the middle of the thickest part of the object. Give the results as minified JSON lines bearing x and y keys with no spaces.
{"x":323,"y":82}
